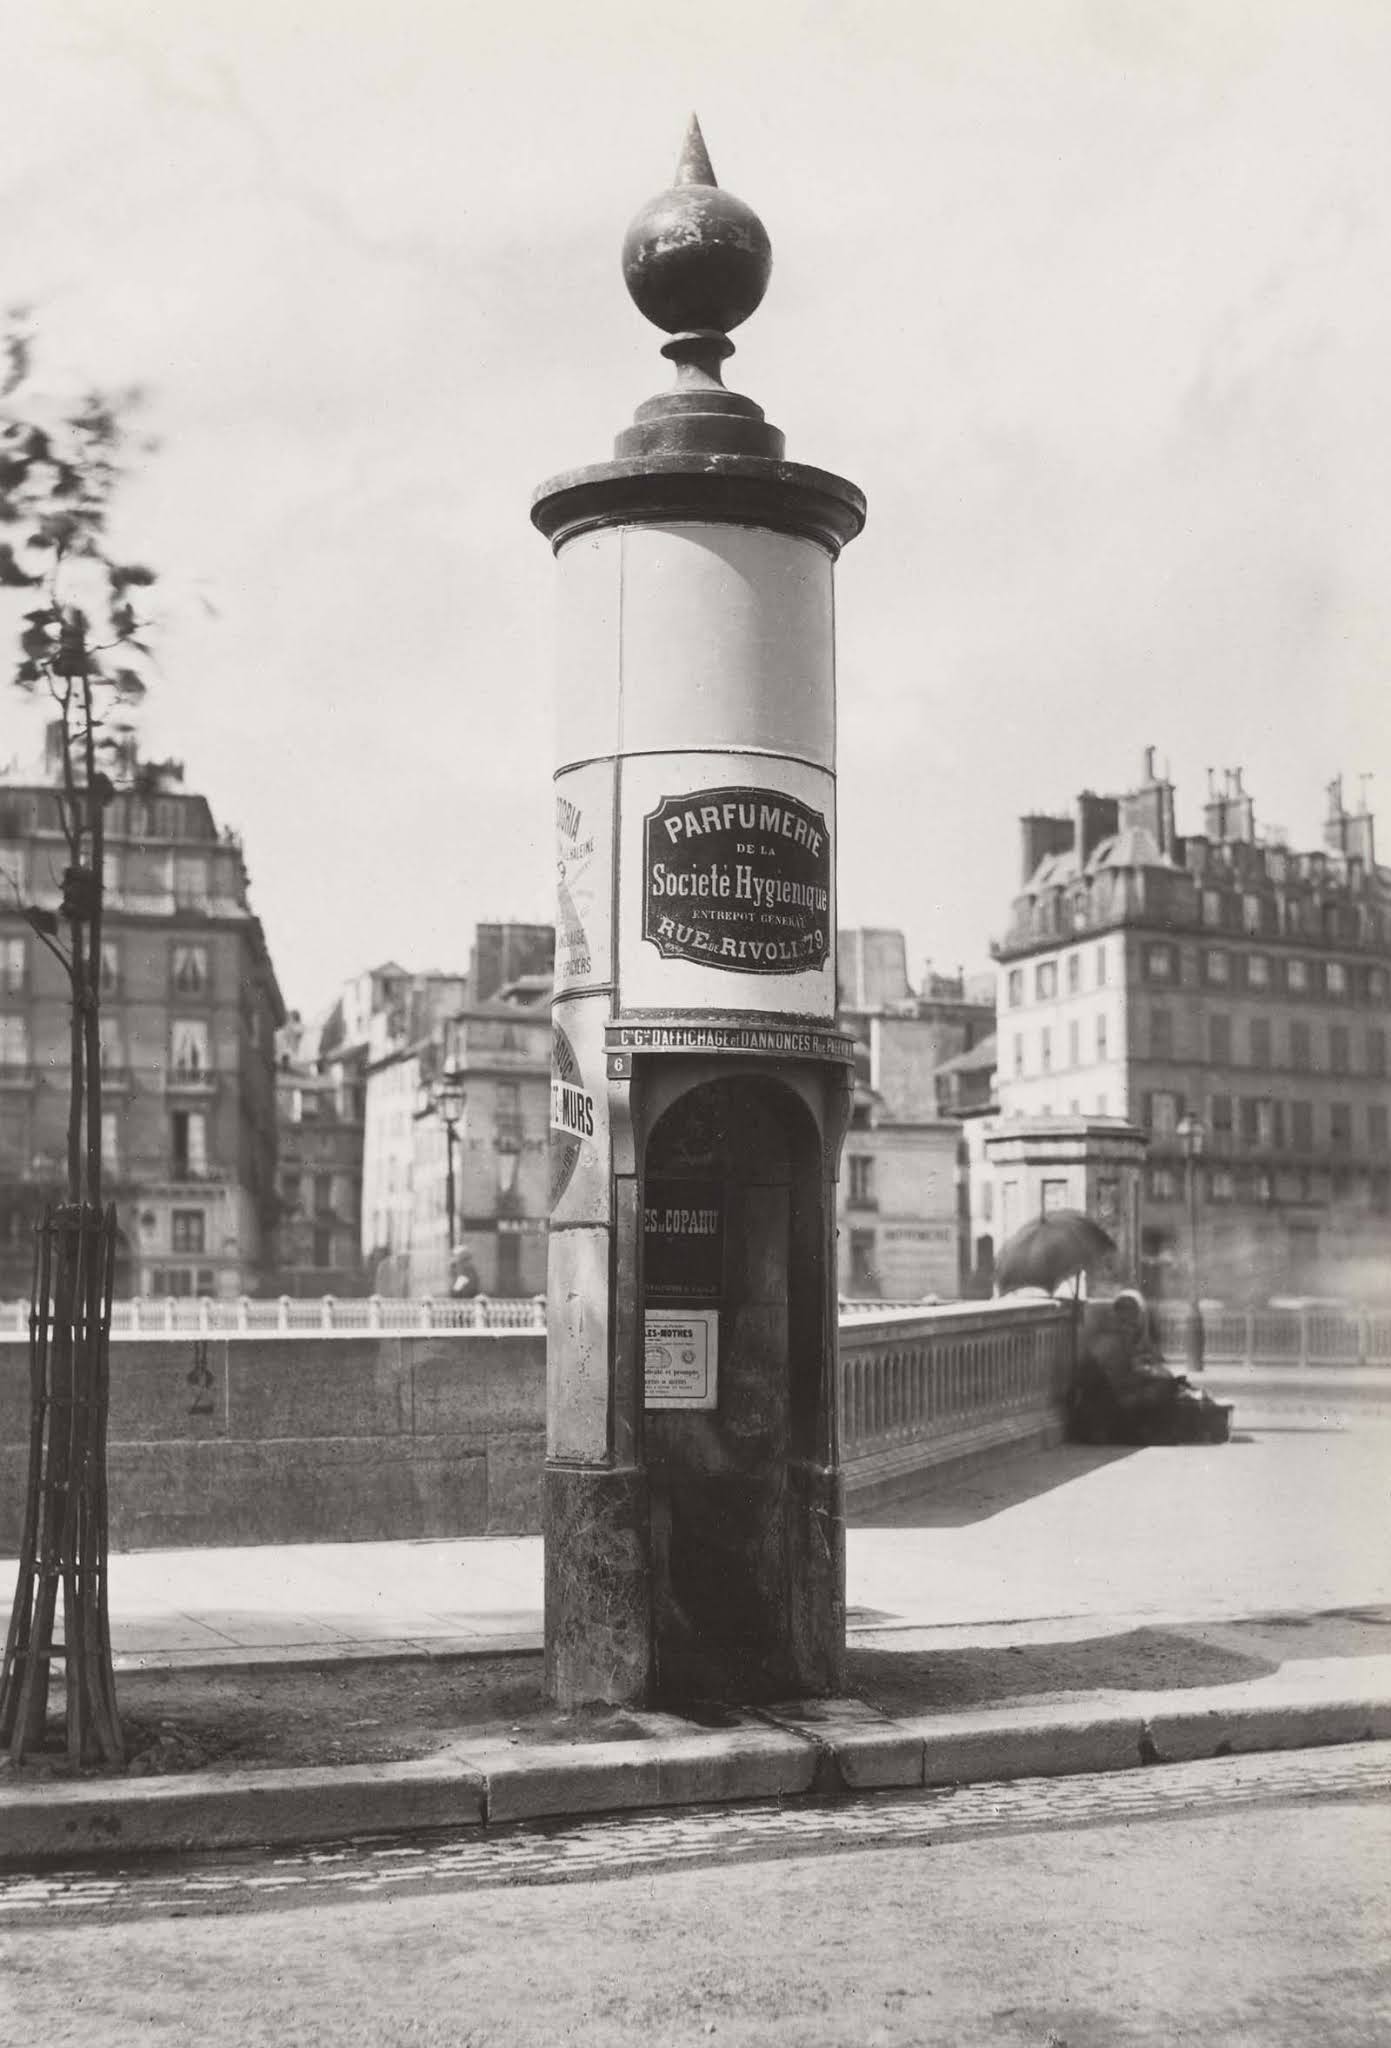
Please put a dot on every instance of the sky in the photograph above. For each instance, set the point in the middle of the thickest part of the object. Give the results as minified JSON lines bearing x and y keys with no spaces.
{"x":1091,"y":297}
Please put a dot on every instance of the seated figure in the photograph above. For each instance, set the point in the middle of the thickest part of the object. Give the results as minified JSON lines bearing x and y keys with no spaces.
{"x":1122,"y":1391}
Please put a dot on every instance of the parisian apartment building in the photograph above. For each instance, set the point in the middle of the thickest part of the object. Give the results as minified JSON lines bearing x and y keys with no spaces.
{"x":482,"y":1146}
{"x":899,"y":1201}
{"x":190,"y":1008}
{"x":1227,"y":994}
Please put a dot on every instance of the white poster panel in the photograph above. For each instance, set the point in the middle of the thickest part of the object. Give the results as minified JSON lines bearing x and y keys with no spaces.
{"x":577,"y":1346}
{"x":726,"y":886}
{"x":728,"y":643}
{"x":680,"y":1358}
{"x":584,"y":877}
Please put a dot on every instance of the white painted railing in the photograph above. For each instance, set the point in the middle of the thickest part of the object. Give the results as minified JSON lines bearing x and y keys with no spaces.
{"x":290,"y":1317}
{"x":1309,"y":1334}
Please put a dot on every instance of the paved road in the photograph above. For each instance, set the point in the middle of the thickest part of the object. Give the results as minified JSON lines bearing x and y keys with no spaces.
{"x":1244,"y":1900}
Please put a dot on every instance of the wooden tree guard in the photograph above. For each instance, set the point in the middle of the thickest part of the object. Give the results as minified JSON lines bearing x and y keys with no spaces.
{"x":64,"y":1534}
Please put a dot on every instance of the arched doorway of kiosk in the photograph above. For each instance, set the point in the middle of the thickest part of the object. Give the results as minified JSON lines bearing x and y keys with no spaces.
{"x":747,"y":1528}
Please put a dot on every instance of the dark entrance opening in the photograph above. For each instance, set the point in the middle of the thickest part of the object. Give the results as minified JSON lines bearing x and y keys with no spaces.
{"x":747,"y":1532}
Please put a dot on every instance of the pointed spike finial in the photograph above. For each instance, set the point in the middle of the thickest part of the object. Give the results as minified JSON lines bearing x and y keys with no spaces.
{"x":694,"y":166}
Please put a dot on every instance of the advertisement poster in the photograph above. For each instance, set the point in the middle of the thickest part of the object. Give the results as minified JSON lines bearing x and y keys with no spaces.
{"x":726,"y":898}
{"x":682,"y":1242}
{"x":573,"y":1114}
{"x":680,"y":1365}
{"x":583,"y":866}
{"x":738,"y":879}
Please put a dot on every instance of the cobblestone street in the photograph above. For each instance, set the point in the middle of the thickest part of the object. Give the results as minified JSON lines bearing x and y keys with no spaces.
{"x":620,"y":1847}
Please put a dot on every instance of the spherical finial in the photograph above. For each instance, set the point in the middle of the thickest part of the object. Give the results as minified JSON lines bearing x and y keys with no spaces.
{"x":696,"y":257}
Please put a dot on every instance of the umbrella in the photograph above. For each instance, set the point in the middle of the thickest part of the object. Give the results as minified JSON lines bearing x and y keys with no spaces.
{"x":1050,"y":1249}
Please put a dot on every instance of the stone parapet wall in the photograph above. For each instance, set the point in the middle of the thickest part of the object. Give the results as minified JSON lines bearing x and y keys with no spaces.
{"x":217,"y":1440}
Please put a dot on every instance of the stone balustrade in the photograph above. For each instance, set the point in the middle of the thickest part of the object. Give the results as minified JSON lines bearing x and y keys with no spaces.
{"x":935,"y":1385}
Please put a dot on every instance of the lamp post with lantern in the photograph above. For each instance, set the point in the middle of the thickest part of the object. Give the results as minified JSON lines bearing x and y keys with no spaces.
{"x":1192,"y":1136}
{"x":446,"y":1098}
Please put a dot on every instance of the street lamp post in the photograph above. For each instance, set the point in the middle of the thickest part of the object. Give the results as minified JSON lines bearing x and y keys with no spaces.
{"x":447,"y":1100}
{"x":1192,"y":1135}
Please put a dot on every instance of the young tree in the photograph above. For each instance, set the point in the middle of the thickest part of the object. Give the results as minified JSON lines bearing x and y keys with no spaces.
{"x":80,"y":644}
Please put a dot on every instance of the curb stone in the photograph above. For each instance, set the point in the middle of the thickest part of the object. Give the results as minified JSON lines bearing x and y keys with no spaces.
{"x":829,"y":1747}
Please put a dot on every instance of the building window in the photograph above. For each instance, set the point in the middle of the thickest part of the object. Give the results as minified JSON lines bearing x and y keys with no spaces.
{"x":1018,"y":1054}
{"x":1219,"y":1038}
{"x":191,"y":970}
{"x":1217,"y":966}
{"x":1046,"y":981}
{"x":110,"y":967}
{"x":1301,"y":1048}
{"x":323,"y":1247}
{"x":1376,"y":1051}
{"x":112,"y":1050}
{"x":864,"y":1279}
{"x":861,"y":1181}
{"x":189,"y":1043}
{"x":1336,"y":978}
{"x":1014,"y":987}
{"x":14,"y":1042}
{"x":111,"y":1141}
{"x":1163,"y":1113}
{"x":1297,"y":977}
{"x":1340,"y":1126}
{"x":1220,"y":1110}
{"x":1074,"y":1044}
{"x":14,"y":963}
{"x":1045,"y":1050}
{"x":1339,"y":1048}
{"x":1260,"y":1041}
{"x":1376,"y":984}
{"x":1159,"y":963}
{"x":289,"y":1190}
{"x":1302,"y":1126}
{"x":190,"y":881}
{"x":1074,"y":973}
{"x":1251,"y":913}
{"x":1101,"y":1037}
{"x":188,"y":1134}
{"x":189,"y":1230}
{"x":1212,"y":909}
{"x":1163,"y":1184}
{"x":1161,"y":1034}
{"x":1257,"y":971}
{"x":1377,"y":1132}
{"x":1053,"y":1196}
{"x":1101,"y":967}
{"x":508,"y":1118}
{"x":1221,"y":1186}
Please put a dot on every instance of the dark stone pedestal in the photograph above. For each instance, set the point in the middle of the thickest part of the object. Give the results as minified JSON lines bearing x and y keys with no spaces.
{"x":598,"y":1592}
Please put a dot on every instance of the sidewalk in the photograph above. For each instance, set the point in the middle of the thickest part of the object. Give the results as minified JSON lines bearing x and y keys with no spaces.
{"x":1080,"y":1609}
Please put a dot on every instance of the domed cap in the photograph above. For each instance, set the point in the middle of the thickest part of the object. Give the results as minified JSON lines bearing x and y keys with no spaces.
{"x":696,"y":258}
